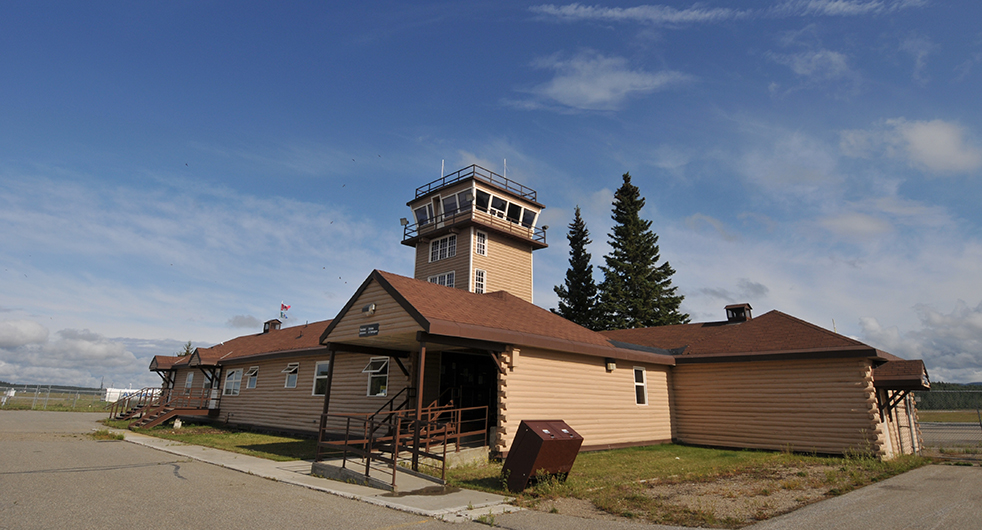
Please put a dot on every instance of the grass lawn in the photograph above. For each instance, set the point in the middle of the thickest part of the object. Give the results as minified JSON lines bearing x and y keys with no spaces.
{"x":269,"y":446}
{"x":948,"y":416}
{"x":645,"y":483}
{"x":665,"y":484}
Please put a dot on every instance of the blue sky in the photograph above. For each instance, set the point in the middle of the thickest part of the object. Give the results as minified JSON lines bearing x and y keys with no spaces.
{"x":173,"y":171}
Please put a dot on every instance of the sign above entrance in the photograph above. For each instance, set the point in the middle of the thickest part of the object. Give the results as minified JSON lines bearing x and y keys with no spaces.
{"x":368,"y":330}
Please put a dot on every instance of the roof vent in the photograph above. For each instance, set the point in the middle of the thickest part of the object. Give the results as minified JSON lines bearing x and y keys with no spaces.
{"x":738,"y":313}
{"x":271,"y":325}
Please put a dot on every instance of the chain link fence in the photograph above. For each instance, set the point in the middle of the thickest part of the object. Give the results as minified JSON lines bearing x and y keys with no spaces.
{"x":951,"y":423}
{"x":52,"y":397}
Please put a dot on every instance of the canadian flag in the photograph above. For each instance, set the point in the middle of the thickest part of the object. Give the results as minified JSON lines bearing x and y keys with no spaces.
{"x":284,"y":307}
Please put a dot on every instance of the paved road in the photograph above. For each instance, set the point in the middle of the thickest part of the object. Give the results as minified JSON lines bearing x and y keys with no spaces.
{"x":53,"y":477}
{"x":951,"y":434}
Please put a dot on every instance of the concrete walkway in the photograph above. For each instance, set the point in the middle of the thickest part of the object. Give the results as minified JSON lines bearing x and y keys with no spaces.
{"x":416,"y":495}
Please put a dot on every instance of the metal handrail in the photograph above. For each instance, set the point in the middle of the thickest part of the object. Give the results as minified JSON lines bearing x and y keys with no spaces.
{"x":478,"y":173}
{"x":451,"y":218}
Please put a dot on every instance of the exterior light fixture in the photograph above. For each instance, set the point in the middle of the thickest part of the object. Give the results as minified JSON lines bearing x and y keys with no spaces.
{"x":369,"y":309}
{"x":611,"y":364}
{"x":403,"y":221}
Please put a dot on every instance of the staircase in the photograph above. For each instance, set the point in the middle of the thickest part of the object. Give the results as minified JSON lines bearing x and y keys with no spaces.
{"x":168,"y":404}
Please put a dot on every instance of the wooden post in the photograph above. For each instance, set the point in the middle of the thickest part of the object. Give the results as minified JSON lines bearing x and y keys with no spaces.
{"x":327,"y":405}
{"x":419,"y":403}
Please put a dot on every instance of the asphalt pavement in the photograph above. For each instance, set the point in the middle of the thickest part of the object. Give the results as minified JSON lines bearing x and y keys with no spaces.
{"x":52,"y":475}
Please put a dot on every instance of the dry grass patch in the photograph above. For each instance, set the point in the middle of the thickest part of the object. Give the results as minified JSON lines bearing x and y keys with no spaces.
{"x":690,"y":486}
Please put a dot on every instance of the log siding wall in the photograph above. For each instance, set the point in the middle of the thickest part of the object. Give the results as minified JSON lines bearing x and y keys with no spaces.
{"x":271,"y":405}
{"x":825,"y":406}
{"x":599,"y":405}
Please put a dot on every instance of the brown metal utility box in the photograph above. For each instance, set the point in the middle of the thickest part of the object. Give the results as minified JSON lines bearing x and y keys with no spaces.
{"x":547,"y":446}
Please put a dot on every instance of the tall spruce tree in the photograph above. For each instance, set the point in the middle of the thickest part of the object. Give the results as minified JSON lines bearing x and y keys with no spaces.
{"x":578,"y":294}
{"x":636,"y":291}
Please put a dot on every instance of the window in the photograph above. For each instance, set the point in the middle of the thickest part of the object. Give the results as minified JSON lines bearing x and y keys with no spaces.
{"x":640,"y":386}
{"x":528,"y":218}
{"x":252,"y":375}
{"x":443,"y":279}
{"x":483,"y":199}
{"x":450,"y":205}
{"x":479,"y":284}
{"x":463,"y":202}
{"x":498,"y":206}
{"x":209,"y":381}
{"x":188,"y":383}
{"x":481,"y":244}
{"x":423,"y":214}
{"x":320,"y":377}
{"x":233,"y":381}
{"x":378,"y":375}
{"x":443,"y":248}
{"x":514,"y":212}
{"x":291,"y":371}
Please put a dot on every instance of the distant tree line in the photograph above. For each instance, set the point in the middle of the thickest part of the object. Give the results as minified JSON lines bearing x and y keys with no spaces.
{"x":636,"y":290}
{"x":950,"y":396}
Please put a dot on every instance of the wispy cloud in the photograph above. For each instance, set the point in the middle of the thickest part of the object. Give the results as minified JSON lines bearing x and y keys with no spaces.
{"x":648,"y":14}
{"x":592,"y":81}
{"x":938,"y":147}
{"x":918,"y":47}
{"x":668,"y":16}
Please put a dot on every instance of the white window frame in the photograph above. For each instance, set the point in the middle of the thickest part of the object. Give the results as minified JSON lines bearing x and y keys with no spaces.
{"x":643,"y":385}
{"x":235,"y":378}
{"x":292,"y":372}
{"x":481,"y":243}
{"x":252,"y":376}
{"x":374,"y":369}
{"x":443,"y":248}
{"x":480,"y":281}
{"x":318,"y":377}
{"x":189,"y":383}
{"x":447,"y":279}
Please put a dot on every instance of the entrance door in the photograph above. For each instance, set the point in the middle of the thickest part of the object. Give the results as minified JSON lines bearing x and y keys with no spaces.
{"x":470,"y":380}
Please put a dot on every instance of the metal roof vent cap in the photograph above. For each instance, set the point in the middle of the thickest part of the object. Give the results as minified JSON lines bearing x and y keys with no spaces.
{"x":738,"y":313}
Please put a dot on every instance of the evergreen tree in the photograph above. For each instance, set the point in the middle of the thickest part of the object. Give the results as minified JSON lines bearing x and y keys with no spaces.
{"x":185,"y":350}
{"x":578,"y":294}
{"x":636,"y":291}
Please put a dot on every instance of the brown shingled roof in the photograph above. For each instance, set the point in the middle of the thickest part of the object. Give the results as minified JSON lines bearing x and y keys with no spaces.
{"x":164,"y":362}
{"x":284,"y":340}
{"x":499,"y":317}
{"x":773,"y":333}
{"x":901,"y":375}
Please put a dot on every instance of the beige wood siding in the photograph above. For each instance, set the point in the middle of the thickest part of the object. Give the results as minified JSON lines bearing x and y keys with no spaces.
{"x":273,"y":406}
{"x":825,"y":406}
{"x":459,"y":263}
{"x":508,"y":265}
{"x":599,"y":405}
{"x":390,"y":316}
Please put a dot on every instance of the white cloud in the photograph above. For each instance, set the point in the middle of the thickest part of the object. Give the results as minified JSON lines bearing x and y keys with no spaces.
{"x":696,"y":221}
{"x":858,"y":225}
{"x":646,"y":14}
{"x":949,"y":343}
{"x":592,"y":81}
{"x":936,"y":146}
{"x":815,"y":65}
{"x":841,"y":8}
{"x":662,"y":15}
{"x":243,"y":321}
{"x":75,"y":357}
{"x":16,"y":333}
{"x":919,"y":47}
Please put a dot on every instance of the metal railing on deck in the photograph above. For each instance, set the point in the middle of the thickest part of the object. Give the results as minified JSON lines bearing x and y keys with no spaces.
{"x":465,"y":214}
{"x":373,"y":436}
{"x":129,"y":404}
{"x":478,"y":173}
